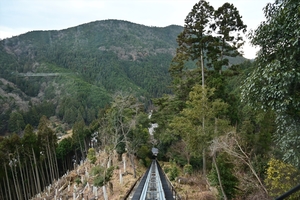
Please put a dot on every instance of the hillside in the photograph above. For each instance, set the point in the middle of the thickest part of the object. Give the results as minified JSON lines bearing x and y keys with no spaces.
{"x":79,"y":182}
{"x":71,"y":73}
{"x":79,"y":68}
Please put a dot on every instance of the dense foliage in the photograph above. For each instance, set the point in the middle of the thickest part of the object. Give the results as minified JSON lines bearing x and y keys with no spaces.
{"x":274,"y":83}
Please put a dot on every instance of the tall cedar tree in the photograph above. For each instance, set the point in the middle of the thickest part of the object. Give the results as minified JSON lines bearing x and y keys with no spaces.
{"x":229,"y":27}
{"x":198,"y":43}
{"x":195,"y":38}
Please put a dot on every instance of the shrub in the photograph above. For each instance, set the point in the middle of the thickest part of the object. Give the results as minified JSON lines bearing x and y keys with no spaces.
{"x":281,"y":177}
{"x":102,"y":175}
{"x":173,"y":173}
{"x":92,"y":155}
{"x":77,"y":181}
{"x":188,"y":169}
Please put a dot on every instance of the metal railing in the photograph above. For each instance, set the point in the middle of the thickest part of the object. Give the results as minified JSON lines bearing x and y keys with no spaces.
{"x":170,"y":186}
{"x":153,"y":187}
{"x":288,"y":193}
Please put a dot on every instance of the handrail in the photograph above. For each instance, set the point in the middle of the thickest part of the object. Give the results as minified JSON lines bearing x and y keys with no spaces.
{"x":153,"y":186}
{"x":170,"y":185}
{"x":131,"y":189}
{"x":154,"y":183}
{"x":288,"y":193}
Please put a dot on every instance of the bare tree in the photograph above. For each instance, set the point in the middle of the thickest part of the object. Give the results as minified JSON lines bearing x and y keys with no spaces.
{"x":230,"y":144}
{"x":125,"y":110}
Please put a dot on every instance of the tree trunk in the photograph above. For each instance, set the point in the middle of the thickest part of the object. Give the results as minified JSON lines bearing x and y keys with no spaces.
{"x":55,"y":162}
{"x":42,"y":174}
{"x":85,"y":142}
{"x":37,"y":173}
{"x":104,"y":192}
{"x":50,"y":164}
{"x":22,"y":177}
{"x":14,"y":194}
{"x":203,"y":120}
{"x":219,"y":177}
{"x":15,"y":184}
{"x":9,"y":192}
{"x":202,"y":67}
{"x":4,"y":193}
{"x":47,"y":173}
{"x":27,"y":180}
{"x":132,"y":164}
{"x":1,"y":192}
{"x":34,"y":187}
{"x":82,"y":152}
{"x":204,"y":163}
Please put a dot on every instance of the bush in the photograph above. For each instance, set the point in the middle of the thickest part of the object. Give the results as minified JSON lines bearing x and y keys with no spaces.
{"x":166,"y":169}
{"x":102,"y":175}
{"x":281,"y":177}
{"x":92,"y":155}
{"x":188,"y":169}
{"x":77,"y":181}
{"x":173,"y":173}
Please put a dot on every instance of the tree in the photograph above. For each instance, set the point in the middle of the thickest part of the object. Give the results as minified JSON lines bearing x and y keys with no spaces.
{"x":32,"y":151}
{"x":124,"y":114}
{"x":195,"y":38}
{"x":5,"y":152}
{"x":47,"y":138}
{"x":92,"y":155}
{"x":208,"y":37}
{"x":16,"y":122}
{"x":79,"y":137}
{"x":102,"y":175}
{"x":228,"y":29}
{"x":228,"y":26}
{"x":274,"y":84}
{"x":168,"y":107}
{"x":64,"y":150}
{"x":230,"y":144}
{"x":189,"y":123}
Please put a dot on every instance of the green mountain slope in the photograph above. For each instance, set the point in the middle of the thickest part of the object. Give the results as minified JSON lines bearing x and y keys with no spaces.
{"x":79,"y":68}
{"x":112,"y":54}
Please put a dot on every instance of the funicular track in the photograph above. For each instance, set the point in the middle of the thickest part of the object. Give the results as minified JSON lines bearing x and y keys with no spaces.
{"x":154,"y":185}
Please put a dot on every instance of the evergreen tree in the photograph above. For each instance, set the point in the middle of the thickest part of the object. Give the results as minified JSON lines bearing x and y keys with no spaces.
{"x":47,"y":138}
{"x":228,"y":26}
{"x":200,"y":109}
{"x":196,"y":36}
{"x":16,"y":122}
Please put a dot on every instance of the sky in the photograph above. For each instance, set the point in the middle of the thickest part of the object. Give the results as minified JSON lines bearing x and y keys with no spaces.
{"x":21,"y":16}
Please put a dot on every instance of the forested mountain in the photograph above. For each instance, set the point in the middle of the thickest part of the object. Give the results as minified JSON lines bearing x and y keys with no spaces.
{"x":74,"y":72}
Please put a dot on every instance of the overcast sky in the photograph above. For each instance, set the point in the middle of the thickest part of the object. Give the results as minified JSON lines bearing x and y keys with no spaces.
{"x":21,"y":16}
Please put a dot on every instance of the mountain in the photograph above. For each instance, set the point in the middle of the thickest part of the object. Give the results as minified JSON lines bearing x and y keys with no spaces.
{"x":76,"y":71}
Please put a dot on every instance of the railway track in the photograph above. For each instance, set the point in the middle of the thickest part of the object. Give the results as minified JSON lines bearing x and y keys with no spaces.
{"x":154,"y":185}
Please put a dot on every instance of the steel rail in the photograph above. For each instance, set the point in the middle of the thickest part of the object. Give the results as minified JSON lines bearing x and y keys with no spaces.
{"x":153,"y":186}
